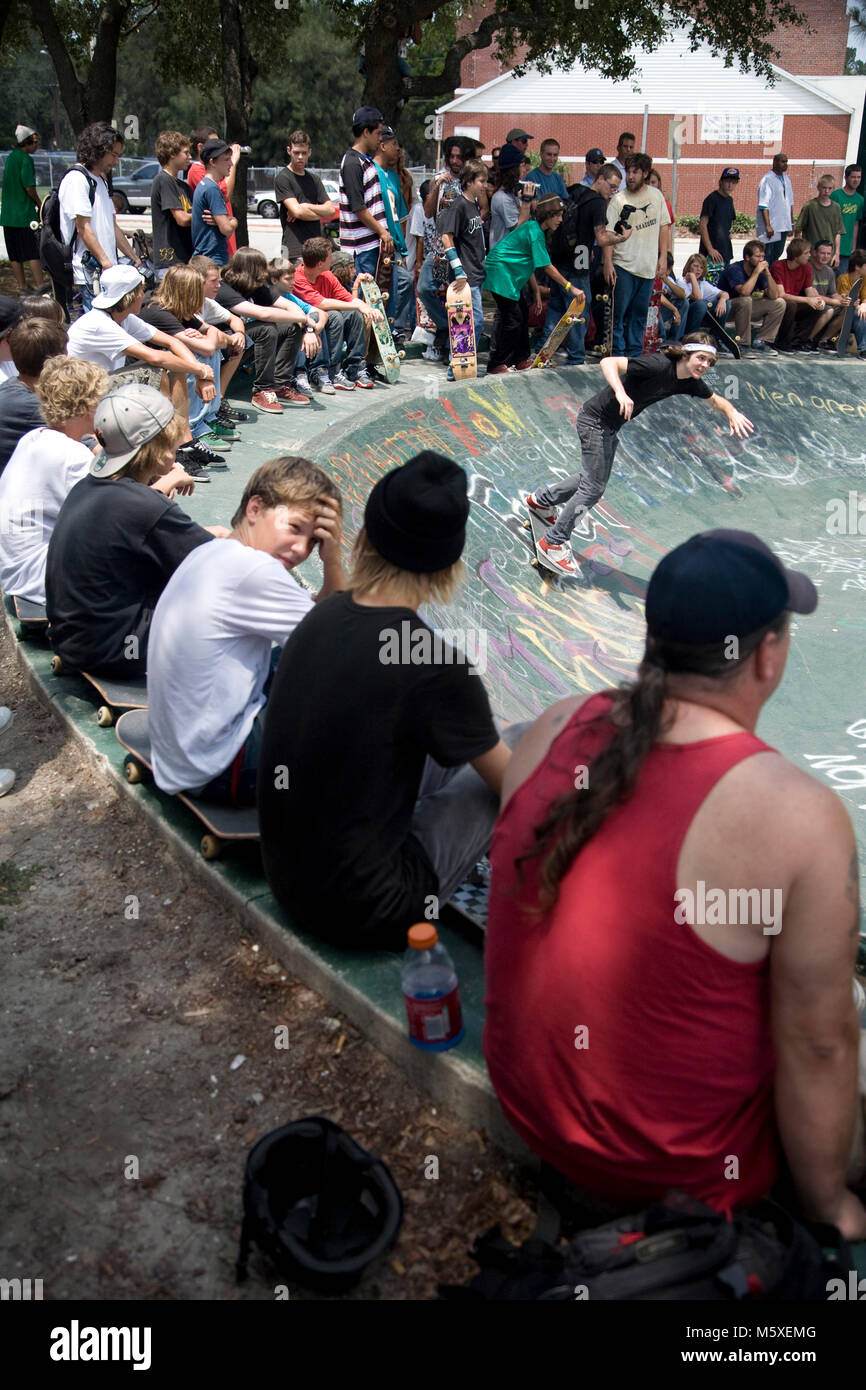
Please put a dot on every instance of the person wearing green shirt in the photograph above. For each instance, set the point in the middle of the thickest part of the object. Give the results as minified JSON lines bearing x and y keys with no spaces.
{"x":851,"y":206}
{"x":20,"y":207}
{"x":510,"y":267}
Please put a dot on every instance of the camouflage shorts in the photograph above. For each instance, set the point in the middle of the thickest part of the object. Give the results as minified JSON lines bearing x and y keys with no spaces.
{"x":142,"y":376}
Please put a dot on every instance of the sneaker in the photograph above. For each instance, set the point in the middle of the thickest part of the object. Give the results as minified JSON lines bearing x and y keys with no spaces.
{"x":267,"y":401}
{"x":6,"y":717}
{"x":524,"y":365}
{"x":224,"y":431}
{"x":545,"y":514}
{"x":827,"y":345}
{"x":432,"y":354}
{"x":449,"y":375}
{"x":302,"y":383}
{"x":291,"y":396}
{"x":189,"y":465}
{"x":201,"y":454}
{"x":766,"y":348}
{"x":7,"y":780}
{"x":496,"y":371}
{"x":211,"y":439}
{"x":320,"y":381}
{"x":227,"y":414}
{"x":375,"y":375}
{"x":559,"y":555}
{"x":363,"y":380}
{"x":342,"y":383}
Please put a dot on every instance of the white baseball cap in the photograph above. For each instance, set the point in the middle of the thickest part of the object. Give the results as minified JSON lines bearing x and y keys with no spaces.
{"x":125,"y":420}
{"x":115,"y":282}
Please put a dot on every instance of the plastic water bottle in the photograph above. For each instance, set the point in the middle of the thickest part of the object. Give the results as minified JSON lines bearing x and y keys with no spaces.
{"x":431,"y":991}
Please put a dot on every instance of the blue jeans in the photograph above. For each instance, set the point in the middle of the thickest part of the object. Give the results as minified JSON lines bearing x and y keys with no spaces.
{"x":201,"y":413}
{"x":859,"y":331}
{"x":402,"y":283}
{"x":556,"y":306}
{"x":630,"y":305}
{"x":430,"y":297}
{"x":322,"y":358}
{"x":692,"y":314}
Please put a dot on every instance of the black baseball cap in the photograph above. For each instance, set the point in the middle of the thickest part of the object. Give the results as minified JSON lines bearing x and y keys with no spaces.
{"x":388,"y":133}
{"x":594,"y":157}
{"x":369,"y":116}
{"x":212,"y":149}
{"x":11,"y":313}
{"x":730,"y":173}
{"x":722,"y":584}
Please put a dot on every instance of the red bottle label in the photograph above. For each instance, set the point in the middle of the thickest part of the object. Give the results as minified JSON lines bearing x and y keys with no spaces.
{"x":435,"y":1020}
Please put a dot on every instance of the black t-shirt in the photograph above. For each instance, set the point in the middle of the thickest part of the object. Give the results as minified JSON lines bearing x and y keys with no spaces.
{"x":354,"y":730}
{"x":586,"y":211}
{"x":720,"y":212}
{"x":647,"y":380}
{"x":171,"y":244}
{"x":113,"y":550}
{"x":462,"y":221}
{"x":307,"y":188}
{"x":165,"y":321}
{"x":19,"y":413}
{"x":265,"y":295}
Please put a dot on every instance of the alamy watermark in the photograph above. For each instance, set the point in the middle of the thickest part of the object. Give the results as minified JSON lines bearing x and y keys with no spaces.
{"x":424,"y":646}
{"x":721,"y":907}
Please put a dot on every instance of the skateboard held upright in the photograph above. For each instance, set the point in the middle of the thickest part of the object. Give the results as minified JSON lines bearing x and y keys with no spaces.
{"x":561,"y":331}
{"x":388,"y":354}
{"x":850,"y":315}
{"x":651,"y":337}
{"x":461,"y":332}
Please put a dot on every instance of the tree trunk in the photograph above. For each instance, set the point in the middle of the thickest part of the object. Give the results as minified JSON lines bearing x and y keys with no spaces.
{"x":94,"y":99}
{"x":238,"y":73}
{"x":384,"y":86}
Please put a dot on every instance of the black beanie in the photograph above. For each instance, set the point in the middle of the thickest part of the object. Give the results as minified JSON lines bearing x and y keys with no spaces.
{"x":416,"y":515}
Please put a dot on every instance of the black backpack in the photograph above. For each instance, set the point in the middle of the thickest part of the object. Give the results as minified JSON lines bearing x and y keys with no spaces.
{"x":564,"y":239}
{"x":676,"y":1249}
{"x":54,"y":253}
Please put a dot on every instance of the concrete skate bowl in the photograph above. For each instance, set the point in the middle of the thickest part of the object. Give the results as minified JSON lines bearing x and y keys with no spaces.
{"x":677,"y":471}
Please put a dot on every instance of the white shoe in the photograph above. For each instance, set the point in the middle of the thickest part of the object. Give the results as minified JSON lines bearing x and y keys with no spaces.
{"x":302,"y":383}
{"x":561,"y":556}
{"x":6,"y":717}
{"x":342,"y":383}
{"x":432,"y":354}
{"x":7,"y":780}
{"x":547,"y":515}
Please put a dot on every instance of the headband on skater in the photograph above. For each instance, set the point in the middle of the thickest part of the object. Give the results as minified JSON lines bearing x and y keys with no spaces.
{"x":699,"y":347}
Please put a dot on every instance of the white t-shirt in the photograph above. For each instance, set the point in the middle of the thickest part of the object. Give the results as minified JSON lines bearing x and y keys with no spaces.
{"x":44,"y":466}
{"x":418,"y":227}
{"x":74,"y":198}
{"x":776,"y":194}
{"x":8,"y":370}
{"x":707,"y":290}
{"x":98,"y":339}
{"x":211,"y":312}
{"x":208,"y":657}
{"x":640,"y":254}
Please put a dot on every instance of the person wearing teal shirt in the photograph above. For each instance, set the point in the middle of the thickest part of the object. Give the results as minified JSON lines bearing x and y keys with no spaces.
{"x":510,"y":267}
{"x":396,"y":214}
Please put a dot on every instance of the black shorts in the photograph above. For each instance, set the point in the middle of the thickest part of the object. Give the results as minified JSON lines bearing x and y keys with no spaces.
{"x":22,"y":243}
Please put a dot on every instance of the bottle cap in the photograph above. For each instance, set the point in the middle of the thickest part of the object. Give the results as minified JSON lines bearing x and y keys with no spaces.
{"x":422,"y":936}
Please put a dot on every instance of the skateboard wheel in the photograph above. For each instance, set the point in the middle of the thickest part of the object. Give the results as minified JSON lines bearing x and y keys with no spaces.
{"x":210,"y":847}
{"x":104,"y":717}
{"x":386,"y":296}
{"x":57,"y":667}
{"x":536,"y":564}
{"x":134,"y":772}
{"x":402,"y":352}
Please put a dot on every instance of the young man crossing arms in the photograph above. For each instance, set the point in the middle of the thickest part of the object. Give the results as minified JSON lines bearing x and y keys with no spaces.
{"x":212,"y":225}
{"x":303,"y":202}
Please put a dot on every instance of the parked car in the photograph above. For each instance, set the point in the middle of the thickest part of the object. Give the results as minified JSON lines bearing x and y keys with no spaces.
{"x":135,"y":190}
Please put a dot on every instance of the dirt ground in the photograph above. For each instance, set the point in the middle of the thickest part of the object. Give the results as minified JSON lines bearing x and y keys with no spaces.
{"x":120,"y":1039}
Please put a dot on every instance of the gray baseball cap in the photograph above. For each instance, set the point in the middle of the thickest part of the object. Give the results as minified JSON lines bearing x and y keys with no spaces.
{"x":126,"y":420}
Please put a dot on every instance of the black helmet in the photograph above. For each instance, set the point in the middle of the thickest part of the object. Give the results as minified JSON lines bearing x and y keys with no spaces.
{"x":318,"y":1205}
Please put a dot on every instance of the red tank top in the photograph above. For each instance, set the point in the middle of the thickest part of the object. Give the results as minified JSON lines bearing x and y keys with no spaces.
{"x":673,"y":1077}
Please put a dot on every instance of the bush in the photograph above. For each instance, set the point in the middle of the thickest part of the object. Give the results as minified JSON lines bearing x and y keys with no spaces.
{"x":689,"y":223}
{"x":743,"y":225}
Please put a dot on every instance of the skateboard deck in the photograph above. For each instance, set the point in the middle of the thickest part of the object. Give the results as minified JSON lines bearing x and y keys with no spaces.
{"x":712,"y":325}
{"x":117,"y":695}
{"x":222,"y":823}
{"x":606,"y":342}
{"x":541,"y":561}
{"x":461,"y":332}
{"x":561,"y":331}
{"x":715,"y":271}
{"x":384,"y":273}
{"x":651,"y":337}
{"x":32,"y":618}
{"x":848,"y":321}
{"x":381,"y":331}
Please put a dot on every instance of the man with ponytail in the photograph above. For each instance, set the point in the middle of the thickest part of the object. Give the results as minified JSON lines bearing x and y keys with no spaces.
{"x":636,"y":1046}
{"x":675,"y":371}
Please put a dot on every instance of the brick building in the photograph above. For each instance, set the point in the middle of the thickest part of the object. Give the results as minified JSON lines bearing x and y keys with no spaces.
{"x":718,"y":115}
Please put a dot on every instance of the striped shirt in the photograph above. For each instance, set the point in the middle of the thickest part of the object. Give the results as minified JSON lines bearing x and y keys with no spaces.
{"x":359,"y":188}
